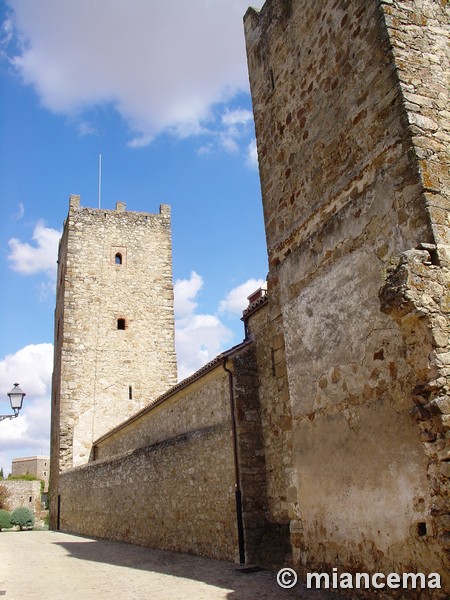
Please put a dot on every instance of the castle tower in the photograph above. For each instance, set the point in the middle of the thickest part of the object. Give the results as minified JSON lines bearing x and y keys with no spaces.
{"x":351,"y":115}
{"x":114,"y":325}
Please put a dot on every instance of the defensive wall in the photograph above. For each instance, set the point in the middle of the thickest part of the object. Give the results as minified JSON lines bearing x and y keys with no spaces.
{"x":182,"y":473}
{"x":351,"y":112}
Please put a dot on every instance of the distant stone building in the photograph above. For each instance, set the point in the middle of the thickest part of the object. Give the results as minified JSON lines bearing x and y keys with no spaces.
{"x":322,"y":440}
{"x":37,"y":466}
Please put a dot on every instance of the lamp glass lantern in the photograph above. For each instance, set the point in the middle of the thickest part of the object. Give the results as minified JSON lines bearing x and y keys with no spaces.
{"x":16,"y":396}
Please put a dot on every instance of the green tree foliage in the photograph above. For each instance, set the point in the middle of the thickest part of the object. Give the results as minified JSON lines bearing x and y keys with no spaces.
{"x":1,"y":473}
{"x":5,"y":519}
{"x":23,"y":517}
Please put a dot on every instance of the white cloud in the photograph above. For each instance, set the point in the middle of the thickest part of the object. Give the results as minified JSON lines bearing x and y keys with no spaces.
{"x":236,"y":300}
{"x":252,"y":155}
{"x":6,"y":34}
{"x":199,"y":337}
{"x":185,"y":292}
{"x":85,"y":128}
{"x":19,"y":214}
{"x":29,"y":433}
{"x":238,"y":116}
{"x":236,"y":126}
{"x":162,"y":65}
{"x":40,"y":258}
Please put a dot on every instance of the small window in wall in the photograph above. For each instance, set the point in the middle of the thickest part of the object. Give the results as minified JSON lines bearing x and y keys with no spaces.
{"x":120,"y":323}
{"x":118,"y":256}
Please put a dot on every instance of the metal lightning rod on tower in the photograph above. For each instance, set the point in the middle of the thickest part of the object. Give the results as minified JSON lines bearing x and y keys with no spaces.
{"x":99,"y":179}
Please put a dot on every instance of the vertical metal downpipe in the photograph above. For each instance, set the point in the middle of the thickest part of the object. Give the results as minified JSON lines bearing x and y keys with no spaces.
{"x":237,"y":486}
{"x":58,"y":516}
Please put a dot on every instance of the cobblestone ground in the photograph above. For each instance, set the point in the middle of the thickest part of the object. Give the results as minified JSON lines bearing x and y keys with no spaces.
{"x":48,"y":565}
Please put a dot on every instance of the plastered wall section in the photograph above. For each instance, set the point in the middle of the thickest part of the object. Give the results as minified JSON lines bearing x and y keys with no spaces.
{"x":343,"y":199}
{"x":166,"y":480}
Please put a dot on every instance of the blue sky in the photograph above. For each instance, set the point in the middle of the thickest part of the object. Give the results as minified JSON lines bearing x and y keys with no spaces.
{"x":160,"y":90}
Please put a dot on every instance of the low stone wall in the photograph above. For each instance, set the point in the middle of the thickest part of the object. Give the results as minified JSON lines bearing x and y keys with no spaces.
{"x":177,"y":494}
{"x":167,"y":477}
{"x":23,"y":493}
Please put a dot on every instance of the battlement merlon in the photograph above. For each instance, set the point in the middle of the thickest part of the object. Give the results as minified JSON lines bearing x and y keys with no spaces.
{"x":74,"y":204}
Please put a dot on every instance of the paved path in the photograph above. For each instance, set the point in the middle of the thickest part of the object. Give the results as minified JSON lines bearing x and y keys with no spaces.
{"x":49,"y":565}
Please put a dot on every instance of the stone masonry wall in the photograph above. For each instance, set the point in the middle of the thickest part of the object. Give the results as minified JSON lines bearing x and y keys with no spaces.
{"x":205,"y":404}
{"x":419,"y":33}
{"x":177,"y":494}
{"x":23,"y":493}
{"x":344,"y":200}
{"x":276,"y":431}
{"x":249,"y":451}
{"x":182,"y":473}
{"x":164,"y":478}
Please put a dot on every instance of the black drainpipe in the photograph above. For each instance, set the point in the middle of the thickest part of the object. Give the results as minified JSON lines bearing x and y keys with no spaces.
{"x":237,"y":485}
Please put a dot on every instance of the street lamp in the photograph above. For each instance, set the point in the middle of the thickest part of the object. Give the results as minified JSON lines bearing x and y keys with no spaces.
{"x":16,"y":396}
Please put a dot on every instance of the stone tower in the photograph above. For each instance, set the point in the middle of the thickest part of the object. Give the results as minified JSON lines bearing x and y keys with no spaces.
{"x":351,"y":101}
{"x":114,"y":325}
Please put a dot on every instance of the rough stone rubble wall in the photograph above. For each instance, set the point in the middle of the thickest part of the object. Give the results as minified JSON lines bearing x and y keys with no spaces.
{"x":167,"y":478}
{"x":264,"y":325}
{"x":419,"y":33}
{"x":160,"y":486}
{"x":346,"y":198}
{"x":177,"y":495}
{"x":23,"y":493}
{"x":172,"y":418}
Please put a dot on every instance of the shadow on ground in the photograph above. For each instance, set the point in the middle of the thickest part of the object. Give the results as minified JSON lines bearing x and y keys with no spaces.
{"x":241,"y":582}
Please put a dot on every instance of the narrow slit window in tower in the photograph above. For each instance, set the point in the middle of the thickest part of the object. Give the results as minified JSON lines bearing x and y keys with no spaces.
{"x":118,"y":259}
{"x":120,"y":323}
